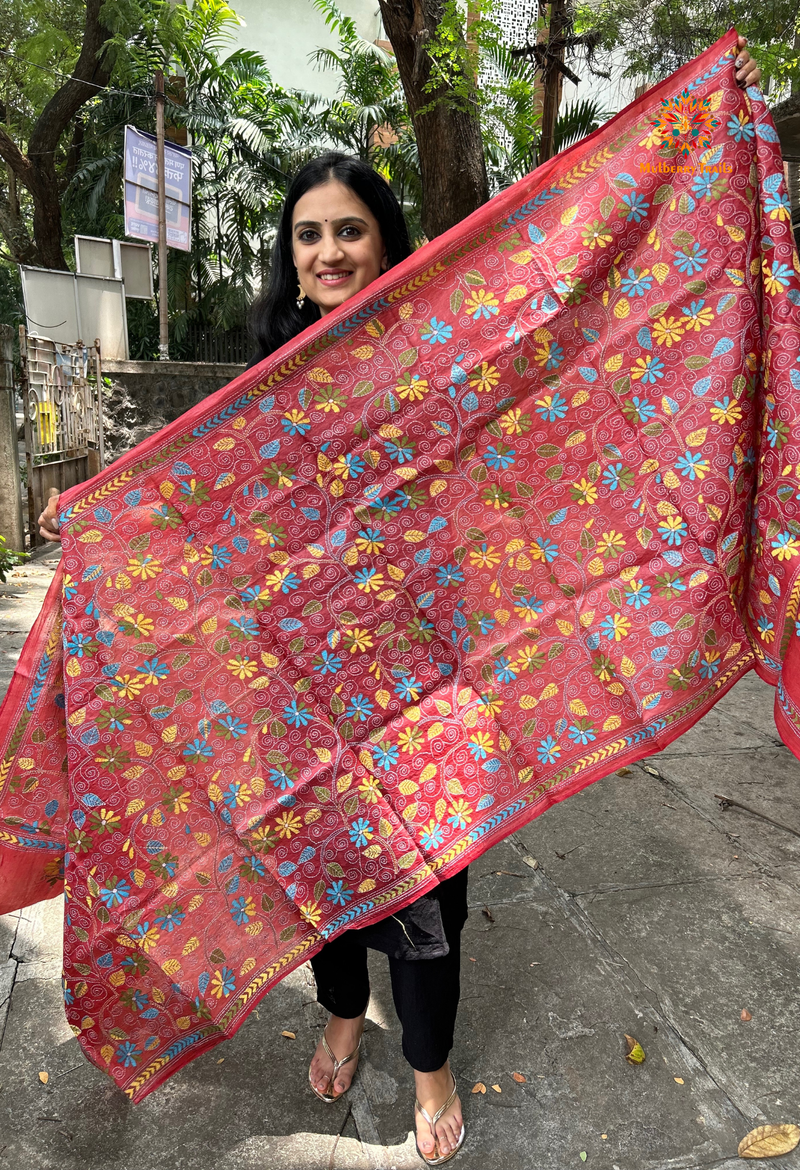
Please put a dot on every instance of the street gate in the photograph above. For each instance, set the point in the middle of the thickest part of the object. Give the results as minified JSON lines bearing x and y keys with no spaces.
{"x":62,"y":409}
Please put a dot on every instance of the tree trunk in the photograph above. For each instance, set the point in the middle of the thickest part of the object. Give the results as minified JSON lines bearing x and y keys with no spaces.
{"x":454,"y":181}
{"x":37,"y":169}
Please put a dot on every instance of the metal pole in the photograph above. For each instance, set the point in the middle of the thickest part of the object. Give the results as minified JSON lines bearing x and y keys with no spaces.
{"x":163,"y":318}
{"x":28,"y":402}
{"x":11,"y":525}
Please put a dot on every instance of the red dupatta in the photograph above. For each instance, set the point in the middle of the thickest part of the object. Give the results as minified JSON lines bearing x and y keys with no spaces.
{"x":516,"y":515}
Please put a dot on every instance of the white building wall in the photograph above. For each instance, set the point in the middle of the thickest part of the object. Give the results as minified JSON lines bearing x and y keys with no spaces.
{"x":285,"y":32}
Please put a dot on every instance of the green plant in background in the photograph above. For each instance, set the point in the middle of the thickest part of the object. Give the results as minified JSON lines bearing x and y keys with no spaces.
{"x":9,"y":559}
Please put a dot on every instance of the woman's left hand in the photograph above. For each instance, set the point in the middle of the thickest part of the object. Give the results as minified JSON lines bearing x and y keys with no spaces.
{"x":747,"y":71}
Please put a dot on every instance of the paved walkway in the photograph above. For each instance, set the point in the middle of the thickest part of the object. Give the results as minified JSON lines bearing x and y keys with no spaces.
{"x":651,"y":912}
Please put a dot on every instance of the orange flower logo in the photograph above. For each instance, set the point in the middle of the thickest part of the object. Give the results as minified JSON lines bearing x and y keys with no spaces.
{"x":685,"y":122}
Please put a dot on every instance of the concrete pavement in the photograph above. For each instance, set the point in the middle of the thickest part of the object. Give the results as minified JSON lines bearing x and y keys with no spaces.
{"x":652,"y":911}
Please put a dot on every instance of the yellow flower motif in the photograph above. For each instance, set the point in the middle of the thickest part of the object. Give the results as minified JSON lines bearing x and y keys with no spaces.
{"x":773,"y":286}
{"x":618,"y":627}
{"x":240,"y":794}
{"x":311,"y":912}
{"x":526,"y":659}
{"x":584,"y":492}
{"x":653,"y":137}
{"x":410,"y":740}
{"x":144,"y":566}
{"x":177,"y":801}
{"x":148,"y":939}
{"x":697,"y":320}
{"x":482,"y":742}
{"x":484,"y":557}
{"x":731,"y":412}
{"x":515,"y":421}
{"x":357,"y":639}
{"x":482,"y":303}
{"x":287,"y":825}
{"x":129,"y":685}
{"x":219,"y":986}
{"x":788,"y":547}
{"x":277,"y":578}
{"x":460,"y":814}
{"x":668,"y":330}
{"x":370,"y":544}
{"x":611,"y":543}
{"x":372,"y":583}
{"x":596,"y":235}
{"x":484,"y":378}
{"x":242,"y":667}
{"x":264,"y":536}
{"x":329,"y":399}
{"x":767,"y":632}
{"x":414,"y":389}
{"x":370,"y":789}
{"x":295,"y":419}
{"x":490,"y":704}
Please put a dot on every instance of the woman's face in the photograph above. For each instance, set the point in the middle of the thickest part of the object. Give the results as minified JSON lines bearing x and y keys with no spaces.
{"x":336,"y":245}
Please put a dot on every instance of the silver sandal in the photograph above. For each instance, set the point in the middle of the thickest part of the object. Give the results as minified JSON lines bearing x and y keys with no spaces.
{"x":329,"y":1098}
{"x":441,"y":1158}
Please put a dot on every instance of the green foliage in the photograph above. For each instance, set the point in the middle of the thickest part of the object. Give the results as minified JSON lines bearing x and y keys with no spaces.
{"x":657,"y":36}
{"x":9,"y":559}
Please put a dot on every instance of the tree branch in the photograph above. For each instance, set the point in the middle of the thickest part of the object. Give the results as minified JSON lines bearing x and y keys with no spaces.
{"x":92,"y":72}
{"x":11,"y":153}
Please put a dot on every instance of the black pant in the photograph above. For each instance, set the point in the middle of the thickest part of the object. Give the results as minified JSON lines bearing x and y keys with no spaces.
{"x":425,"y":992}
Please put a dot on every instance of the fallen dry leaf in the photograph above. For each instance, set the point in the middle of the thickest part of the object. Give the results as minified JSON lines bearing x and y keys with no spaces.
{"x":220,"y":1060}
{"x":768,"y":1141}
{"x":479,"y":1088}
{"x":582,"y":1155}
{"x":635,"y":1053}
{"x":678,"y":1080}
{"x":519,"y":1078}
{"x":44,"y":1077}
{"x":623,"y":771}
{"x":497,"y":1088}
{"x":289,"y":1035}
{"x":745,"y":1015}
{"x":488,"y":913}
{"x":604,"y":1136}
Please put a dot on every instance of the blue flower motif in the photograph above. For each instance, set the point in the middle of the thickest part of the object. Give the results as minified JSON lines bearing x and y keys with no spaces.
{"x":220,"y":557}
{"x":360,"y":832}
{"x":740,"y":130}
{"x":385,"y":755}
{"x":77,"y":643}
{"x":297,"y":715}
{"x":295,"y":426}
{"x":408,"y":688}
{"x":779,"y":203}
{"x":281,"y":779}
{"x":708,"y":669}
{"x":128,"y":1054}
{"x":449,"y":575}
{"x":503,"y":670}
{"x":691,"y":464}
{"x":241,"y":915}
{"x":338,"y":894}
{"x":359,"y":708}
{"x":582,"y":735}
{"x":703,"y":183}
{"x":499,"y":460}
{"x":548,"y":548}
{"x":400,"y":451}
{"x":115,"y":895}
{"x":436,"y":331}
{"x":554,"y":410}
{"x":638,"y":594}
{"x":653,"y":369}
{"x":170,"y":917}
{"x":432,"y":836}
{"x":548,"y":750}
{"x":198,"y":747}
{"x":247,"y":625}
{"x":636,"y":284}
{"x":643,"y":408}
{"x":690,"y":259}
{"x":637,"y":206}
{"x":232,"y":727}
{"x":327,"y":663}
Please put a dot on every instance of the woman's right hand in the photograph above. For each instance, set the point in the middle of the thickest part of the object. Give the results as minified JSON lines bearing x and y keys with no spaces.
{"x":48,"y":521}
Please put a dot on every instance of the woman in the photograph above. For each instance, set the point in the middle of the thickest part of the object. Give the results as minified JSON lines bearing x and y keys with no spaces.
{"x":341,"y":228}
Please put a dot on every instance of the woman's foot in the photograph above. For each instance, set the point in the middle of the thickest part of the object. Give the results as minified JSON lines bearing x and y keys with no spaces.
{"x":343,"y":1037}
{"x":433,"y":1089}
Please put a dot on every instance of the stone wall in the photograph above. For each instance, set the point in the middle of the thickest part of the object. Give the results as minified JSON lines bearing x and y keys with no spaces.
{"x":145,"y":396}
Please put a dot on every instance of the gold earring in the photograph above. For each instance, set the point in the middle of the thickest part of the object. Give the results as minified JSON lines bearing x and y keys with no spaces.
{"x":301,"y":296}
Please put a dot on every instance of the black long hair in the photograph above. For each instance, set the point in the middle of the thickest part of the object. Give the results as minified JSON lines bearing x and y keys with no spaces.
{"x":275,"y":317}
